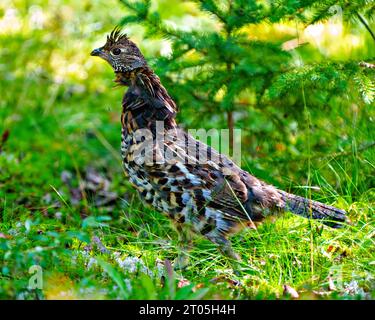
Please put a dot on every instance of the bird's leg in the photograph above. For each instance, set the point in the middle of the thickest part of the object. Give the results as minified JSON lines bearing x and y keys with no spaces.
{"x":225,"y":247}
{"x":185,"y":244}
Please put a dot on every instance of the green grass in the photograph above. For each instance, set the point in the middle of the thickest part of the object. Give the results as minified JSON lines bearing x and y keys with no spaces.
{"x":41,"y":225}
{"x":61,"y":129}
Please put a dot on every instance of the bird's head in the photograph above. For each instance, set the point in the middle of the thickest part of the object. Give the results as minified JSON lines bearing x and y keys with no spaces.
{"x":120,"y":52}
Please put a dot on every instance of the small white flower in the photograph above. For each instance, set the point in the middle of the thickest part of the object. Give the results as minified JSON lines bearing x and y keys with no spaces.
{"x":128,"y":285}
{"x":92,"y":262}
{"x":133,"y":264}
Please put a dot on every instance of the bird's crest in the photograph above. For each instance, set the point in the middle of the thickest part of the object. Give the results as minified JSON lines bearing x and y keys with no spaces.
{"x":115,"y":37}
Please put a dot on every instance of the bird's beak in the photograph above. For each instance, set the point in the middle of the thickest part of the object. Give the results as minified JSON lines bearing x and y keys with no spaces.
{"x":96,"y":52}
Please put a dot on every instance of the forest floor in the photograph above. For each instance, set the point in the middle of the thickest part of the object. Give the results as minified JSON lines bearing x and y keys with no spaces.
{"x":67,"y":207}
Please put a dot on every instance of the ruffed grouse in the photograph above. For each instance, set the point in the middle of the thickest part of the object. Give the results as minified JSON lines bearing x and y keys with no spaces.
{"x":199,"y":189}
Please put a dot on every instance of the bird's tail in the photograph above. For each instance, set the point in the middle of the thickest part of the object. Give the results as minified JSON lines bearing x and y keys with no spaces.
{"x":329,"y":215}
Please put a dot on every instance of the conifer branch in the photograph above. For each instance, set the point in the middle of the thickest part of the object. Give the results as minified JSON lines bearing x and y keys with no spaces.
{"x":363,"y":21}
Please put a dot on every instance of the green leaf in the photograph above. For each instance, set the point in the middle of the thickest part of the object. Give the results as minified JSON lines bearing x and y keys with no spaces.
{"x":116,"y":276}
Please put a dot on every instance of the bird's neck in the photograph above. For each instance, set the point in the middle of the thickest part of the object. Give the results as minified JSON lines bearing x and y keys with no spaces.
{"x":146,"y":101}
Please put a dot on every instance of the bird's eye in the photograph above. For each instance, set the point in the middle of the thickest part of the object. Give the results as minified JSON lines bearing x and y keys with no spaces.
{"x":116,"y":51}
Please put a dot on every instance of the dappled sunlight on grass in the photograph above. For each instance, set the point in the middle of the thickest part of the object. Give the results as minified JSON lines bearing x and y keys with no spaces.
{"x":93,"y":237}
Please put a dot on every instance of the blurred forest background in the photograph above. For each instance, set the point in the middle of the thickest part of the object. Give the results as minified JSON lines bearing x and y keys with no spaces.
{"x":297,"y":77}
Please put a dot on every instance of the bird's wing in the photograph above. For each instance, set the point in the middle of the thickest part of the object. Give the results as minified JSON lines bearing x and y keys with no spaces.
{"x":215,"y":183}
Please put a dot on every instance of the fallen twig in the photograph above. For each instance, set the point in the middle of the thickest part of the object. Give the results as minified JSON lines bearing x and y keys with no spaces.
{"x":367,"y":65}
{"x":4,"y":138}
